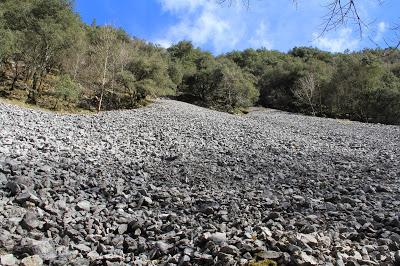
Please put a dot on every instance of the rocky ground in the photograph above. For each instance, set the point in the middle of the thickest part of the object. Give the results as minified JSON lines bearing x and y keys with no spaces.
{"x":175,"y":184}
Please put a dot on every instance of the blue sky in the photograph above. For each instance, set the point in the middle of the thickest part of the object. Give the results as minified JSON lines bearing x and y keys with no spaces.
{"x":272,"y":24}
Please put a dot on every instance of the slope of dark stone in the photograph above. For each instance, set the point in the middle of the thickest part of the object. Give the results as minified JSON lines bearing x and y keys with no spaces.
{"x":176,"y":184}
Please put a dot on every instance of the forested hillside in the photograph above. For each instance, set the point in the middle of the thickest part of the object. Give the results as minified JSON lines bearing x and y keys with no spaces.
{"x":49,"y":57}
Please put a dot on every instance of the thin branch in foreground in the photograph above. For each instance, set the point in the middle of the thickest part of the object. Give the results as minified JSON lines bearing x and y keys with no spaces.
{"x":342,"y":12}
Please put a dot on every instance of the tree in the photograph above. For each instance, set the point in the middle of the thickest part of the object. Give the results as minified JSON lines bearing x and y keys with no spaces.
{"x":45,"y":28}
{"x":277,"y":82}
{"x":150,"y":67}
{"x":103,"y":48}
{"x":221,"y":84}
{"x":128,"y":82}
{"x":11,"y":52}
{"x":73,"y":58}
{"x":235,"y":87}
{"x":67,"y":90}
{"x":305,"y":90}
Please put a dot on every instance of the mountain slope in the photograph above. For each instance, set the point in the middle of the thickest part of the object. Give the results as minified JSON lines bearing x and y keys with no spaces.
{"x":201,"y":186}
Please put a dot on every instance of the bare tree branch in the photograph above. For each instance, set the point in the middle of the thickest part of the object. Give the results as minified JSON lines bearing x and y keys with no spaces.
{"x":339,"y":13}
{"x":342,"y":12}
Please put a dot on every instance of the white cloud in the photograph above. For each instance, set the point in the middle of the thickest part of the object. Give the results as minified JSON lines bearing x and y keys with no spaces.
{"x":182,"y":5}
{"x":164,"y":43}
{"x":342,"y":41}
{"x":269,"y":24}
{"x":381,"y":29}
{"x":208,"y":24}
{"x":261,"y":38}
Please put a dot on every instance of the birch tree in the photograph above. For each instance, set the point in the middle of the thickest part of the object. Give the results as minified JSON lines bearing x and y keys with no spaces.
{"x":305,"y":91}
{"x":104,"y":51}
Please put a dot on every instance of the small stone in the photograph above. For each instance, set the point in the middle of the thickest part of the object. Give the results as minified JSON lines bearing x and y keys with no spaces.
{"x":397,"y":257}
{"x":27,"y":196}
{"x":111,"y":257}
{"x":34,"y":260}
{"x":93,"y":255}
{"x":381,"y":188}
{"x":122,"y":228}
{"x":204,"y":259}
{"x":307,"y":259}
{"x":266,"y":231}
{"x":269,"y":254}
{"x":226,"y":259}
{"x":84,"y":205}
{"x":8,"y":260}
{"x":185,"y":258}
{"x":136,"y":224}
{"x":43,"y":248}
{"x":188,"y":251}
{"x":83,"y":248}
{"x":230,"y":249}
{"x":273,"y":215}
{"x":247,"y":255}
{"x":147,"y":201}
{"x":130,"y":244}
{"x":307,"y":238}
{"x":298,"y":198}
{"x":352,"y":262}
{"x":13,"y":187}
{"x":137,"y":232}
{"x":61,"y":204}
{"x":218,"y":238}
{"x":163,"y":247}
{"x":30,"y":221}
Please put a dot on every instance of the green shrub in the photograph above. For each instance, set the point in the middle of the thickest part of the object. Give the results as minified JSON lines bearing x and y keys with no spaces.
{"x":67,"y":90}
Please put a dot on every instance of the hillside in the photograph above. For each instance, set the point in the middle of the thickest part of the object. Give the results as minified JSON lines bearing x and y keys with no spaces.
{"x":177,"y":183}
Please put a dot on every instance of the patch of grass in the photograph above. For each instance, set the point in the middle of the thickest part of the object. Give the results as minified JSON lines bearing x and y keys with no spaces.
{"x":233,"y":111}
{"x":240,"y":111}
{"x":344,"y":121}
{"x":23,"y":104}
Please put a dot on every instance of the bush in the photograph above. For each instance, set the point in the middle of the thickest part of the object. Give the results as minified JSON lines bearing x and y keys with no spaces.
{"x":67,"y":90}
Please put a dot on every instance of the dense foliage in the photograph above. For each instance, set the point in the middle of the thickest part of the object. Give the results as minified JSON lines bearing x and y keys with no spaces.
{"x":49,"y":57}
{"x":363,"y":86}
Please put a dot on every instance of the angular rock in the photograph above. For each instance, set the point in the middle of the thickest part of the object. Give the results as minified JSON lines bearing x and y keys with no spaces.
{"x":93,"y":255}
{"x":83,"y":248}
{"x":163,"y":246}
{"x":307,"y":238}
{"x":34,"y":260}
{"x":304,"y":259}
{"x":30,"y":220}
{"x":269,"y":254}
{"x":8,"y":260}
{"x":25,"y":196}
{"x":122,"y":228}
{"x":44,"y":248}
{"x":218,"y":237}
{"x":84,"y":205}
{"x":230,"y":249}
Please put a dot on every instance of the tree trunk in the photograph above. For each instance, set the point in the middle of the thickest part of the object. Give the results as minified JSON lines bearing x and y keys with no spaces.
{"x":76,"y":66}
{"x":16,"y":74}
{"x":40,"y":84}
{"x":32,"y":92}
{"x":100,"y":100}
{"x":103,"y":83}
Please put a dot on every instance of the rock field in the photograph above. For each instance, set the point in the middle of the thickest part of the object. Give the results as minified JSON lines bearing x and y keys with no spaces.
{"x":176,"y":184}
